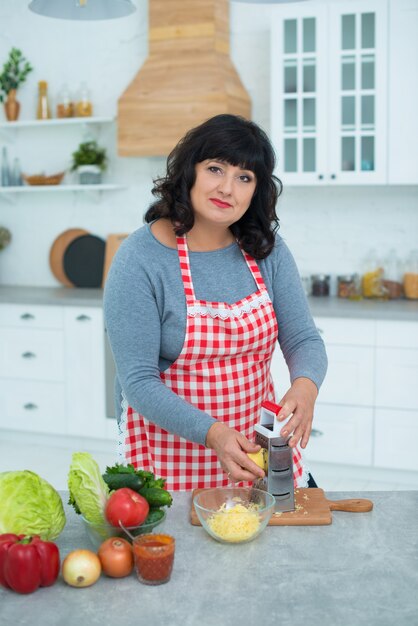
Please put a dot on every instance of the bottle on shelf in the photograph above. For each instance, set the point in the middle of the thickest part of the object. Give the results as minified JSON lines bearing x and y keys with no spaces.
{"x":65,"y":105}
{"x":5,"y":170}
{"x":16,"y":176}
{"x":83,"y":107}
{"x":43,"y":111}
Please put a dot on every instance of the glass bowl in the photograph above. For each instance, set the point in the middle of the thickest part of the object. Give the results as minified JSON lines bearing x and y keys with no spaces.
{"x":234,"y":514}
{"x":97,"y":533}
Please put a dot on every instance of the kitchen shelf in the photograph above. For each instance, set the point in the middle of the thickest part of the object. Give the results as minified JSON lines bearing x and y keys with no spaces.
{"x":58,"y":121}
{"x":9,"y":193}
{"x":8,"y":129}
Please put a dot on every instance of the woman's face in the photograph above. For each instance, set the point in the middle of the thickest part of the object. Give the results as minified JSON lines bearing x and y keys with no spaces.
{"x":222,"y":192}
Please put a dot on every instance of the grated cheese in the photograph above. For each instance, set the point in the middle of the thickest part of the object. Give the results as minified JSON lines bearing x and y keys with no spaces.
{"x":235,"y":524}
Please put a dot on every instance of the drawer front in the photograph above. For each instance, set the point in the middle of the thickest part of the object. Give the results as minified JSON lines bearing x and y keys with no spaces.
{"x":22,"y":316}
{"x":349,"y":378}
{"x":397,"y":378}
{"x":346,"y":332}
{"x":397,"y":334}
{"x":396,"y":439}
{"x":341,"y":435}
{"x":32,"y":354}
{"x":33,"y":406}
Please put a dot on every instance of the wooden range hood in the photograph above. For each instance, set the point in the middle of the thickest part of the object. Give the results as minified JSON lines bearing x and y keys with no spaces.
{"x":187,"y":78}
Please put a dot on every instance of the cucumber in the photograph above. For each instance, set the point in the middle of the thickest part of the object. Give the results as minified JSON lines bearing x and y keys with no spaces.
{"x":156,"y":496}
{"x":117,"y":481}
{"x":154,"y":515}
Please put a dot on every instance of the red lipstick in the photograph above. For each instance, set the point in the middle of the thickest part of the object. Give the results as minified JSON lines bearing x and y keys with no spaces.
{"x":220,"y":204}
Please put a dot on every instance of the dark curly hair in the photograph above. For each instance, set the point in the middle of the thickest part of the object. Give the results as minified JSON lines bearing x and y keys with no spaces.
{"x":239,"y":142}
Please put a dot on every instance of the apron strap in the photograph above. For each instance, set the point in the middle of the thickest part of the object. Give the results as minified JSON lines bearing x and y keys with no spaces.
{"x":186,"y":274}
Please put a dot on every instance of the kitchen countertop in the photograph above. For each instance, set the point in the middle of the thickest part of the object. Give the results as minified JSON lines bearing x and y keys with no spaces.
{"x":403,"y":310}
{"x":362,"y":569}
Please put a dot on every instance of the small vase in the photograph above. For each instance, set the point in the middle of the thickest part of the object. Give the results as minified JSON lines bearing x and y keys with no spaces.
{"x":12,"y":106}
{"x":89,"y":175}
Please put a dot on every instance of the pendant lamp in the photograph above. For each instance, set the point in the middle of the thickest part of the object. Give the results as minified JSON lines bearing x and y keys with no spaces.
{"x":82,"y":9}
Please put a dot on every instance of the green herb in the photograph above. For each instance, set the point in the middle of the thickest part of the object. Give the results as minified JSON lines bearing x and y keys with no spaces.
{"x":89,"y":153}
{"x":14,"y":73}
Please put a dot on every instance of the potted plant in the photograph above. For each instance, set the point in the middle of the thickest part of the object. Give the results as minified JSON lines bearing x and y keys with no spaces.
{"x":89,"y":160}
{"x":14,"y":73}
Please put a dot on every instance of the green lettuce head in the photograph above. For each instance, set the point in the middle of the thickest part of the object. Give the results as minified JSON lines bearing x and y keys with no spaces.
{"x":29,"y":505}
{"x":88,"y":490}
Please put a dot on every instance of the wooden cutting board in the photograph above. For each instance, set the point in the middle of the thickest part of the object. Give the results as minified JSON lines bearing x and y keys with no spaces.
{"x":112,"y":244}
{"x":312,"y":509}
{"x":56,"y":254}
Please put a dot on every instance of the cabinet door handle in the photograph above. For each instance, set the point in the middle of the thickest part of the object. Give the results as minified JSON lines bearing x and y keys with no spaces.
{"x":321,"y":332}
{"x":83,"y":318}
{"x":29,"y":355}
{"x":320,"y":176}
{"x":27,"y":316}
{"x":30,"y":406}
{"x":316,"y":433}
{"x":333,"y":176}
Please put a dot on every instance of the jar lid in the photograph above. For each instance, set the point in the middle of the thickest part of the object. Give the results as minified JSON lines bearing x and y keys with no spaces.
{"x":320,"y":277}
{"x":347,"y":277}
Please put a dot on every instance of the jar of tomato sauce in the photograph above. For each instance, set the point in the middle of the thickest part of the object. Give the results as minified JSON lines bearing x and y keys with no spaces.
{"x":154,"y":557}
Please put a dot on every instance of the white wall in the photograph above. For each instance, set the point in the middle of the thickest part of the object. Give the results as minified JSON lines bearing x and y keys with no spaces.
{"x":328,"y":229}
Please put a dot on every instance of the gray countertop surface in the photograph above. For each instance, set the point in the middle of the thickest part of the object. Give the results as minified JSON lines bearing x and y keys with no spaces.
{"x":361,"y":569}
{"x":406,"y":310}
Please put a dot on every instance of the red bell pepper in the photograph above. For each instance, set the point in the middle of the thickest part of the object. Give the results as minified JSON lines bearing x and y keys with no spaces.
{"x":27,"y":563}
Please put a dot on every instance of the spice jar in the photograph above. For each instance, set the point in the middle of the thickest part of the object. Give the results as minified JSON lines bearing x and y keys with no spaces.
{"x":83,"y":107}
{"x":392,"y":277}
{"x":347,"y":286}
{"x":43,"y":111}
{"x":410,"y":278}
{"x":372,"y":279}
{"x":65,"y":106}
{"x":320,"y":284}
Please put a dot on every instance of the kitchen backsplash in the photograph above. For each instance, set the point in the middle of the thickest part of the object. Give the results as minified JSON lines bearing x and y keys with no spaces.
{"x":329,"y":229}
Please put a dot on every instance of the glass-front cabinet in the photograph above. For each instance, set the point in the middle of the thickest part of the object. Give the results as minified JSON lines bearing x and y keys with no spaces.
{"x":329,"y":92}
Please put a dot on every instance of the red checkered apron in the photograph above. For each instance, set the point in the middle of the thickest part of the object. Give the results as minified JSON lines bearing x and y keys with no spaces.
{"x":224,"y":370}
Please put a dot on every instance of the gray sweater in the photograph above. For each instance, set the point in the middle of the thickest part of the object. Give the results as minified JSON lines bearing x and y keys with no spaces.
{"x":145,"y":318}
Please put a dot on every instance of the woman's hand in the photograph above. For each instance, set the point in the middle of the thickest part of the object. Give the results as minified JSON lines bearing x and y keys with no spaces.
{"x":299,"y":400}
{"x":231,"y":448}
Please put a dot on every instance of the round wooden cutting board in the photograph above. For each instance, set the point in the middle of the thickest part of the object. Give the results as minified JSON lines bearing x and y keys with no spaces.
{"x":56,"y":254}
{"x":83,"y":261}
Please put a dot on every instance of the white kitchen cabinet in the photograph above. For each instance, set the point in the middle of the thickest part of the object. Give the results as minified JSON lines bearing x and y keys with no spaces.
{"x":403,"y":92}
{"x":343,"y":420}
{"x":85,"y":375}
{"x":397,"y":378}
{"x":52,"y":377}
{"x":33,"y":406}
{"x":367,"y":409}
{"x":349,"y":378}
{"x":32,"y":369}
{"x":329,"y":92}
{"x":342,"y":434}
{"x":396,"y":437}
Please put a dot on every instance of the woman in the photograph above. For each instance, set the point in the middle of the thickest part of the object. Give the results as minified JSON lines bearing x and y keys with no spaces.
{"x":195,"y":302}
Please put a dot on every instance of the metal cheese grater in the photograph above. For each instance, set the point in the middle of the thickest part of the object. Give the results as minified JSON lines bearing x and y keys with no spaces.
{"x":278,"y":469}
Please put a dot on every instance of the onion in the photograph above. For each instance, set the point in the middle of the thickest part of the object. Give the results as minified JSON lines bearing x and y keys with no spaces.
{"x":81,"y":568}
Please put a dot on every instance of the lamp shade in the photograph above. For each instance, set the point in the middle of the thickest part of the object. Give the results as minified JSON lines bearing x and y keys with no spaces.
{"x":82,"y":9}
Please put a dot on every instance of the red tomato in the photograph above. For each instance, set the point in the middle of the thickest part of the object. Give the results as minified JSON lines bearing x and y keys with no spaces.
{"x":116,"y":557}
{"x":127,"y":506}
